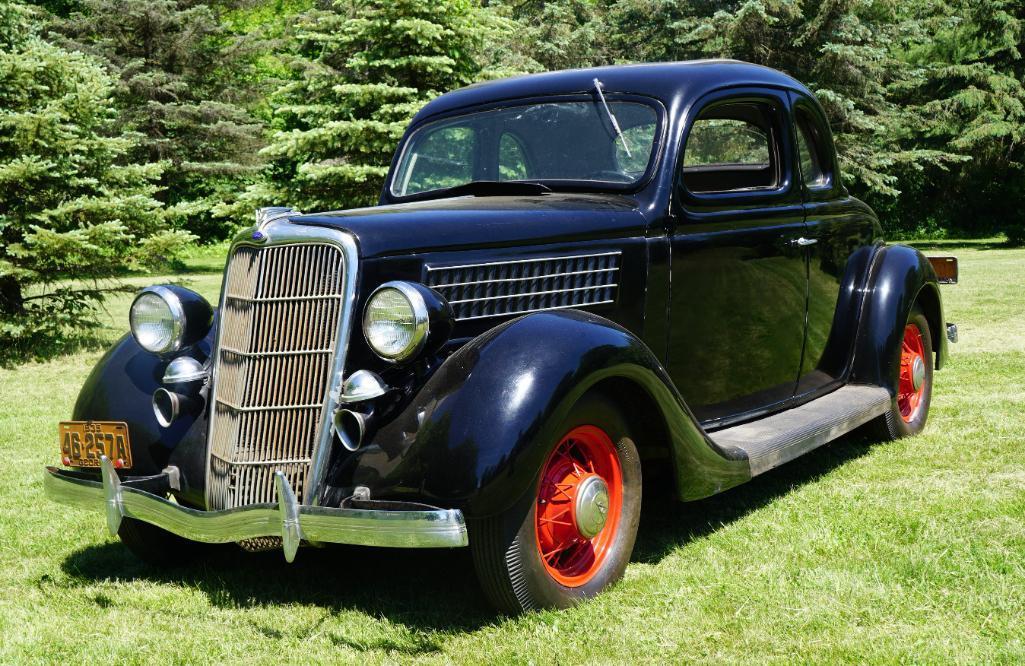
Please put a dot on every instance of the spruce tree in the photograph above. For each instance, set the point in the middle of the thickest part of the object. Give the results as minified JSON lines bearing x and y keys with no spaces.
{"x":561,"y":34}
{"x":74,"y":211}
{"x":362,"y":68}
{"x":969,"y":98}
{"x":186,"y":83}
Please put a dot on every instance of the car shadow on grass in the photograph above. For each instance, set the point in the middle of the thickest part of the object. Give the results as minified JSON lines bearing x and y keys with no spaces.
{"x":427,"y":590}
{"x":667,"y":524}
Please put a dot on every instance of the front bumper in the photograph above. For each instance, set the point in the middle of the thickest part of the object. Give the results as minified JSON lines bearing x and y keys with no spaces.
{"x":425,"y":527}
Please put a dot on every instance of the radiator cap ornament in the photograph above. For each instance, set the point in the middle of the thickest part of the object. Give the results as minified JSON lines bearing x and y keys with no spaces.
{"x":265,"y":216}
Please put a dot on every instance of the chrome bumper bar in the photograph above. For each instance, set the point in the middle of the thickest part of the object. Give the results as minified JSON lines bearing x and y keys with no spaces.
{"x":293,"y":522}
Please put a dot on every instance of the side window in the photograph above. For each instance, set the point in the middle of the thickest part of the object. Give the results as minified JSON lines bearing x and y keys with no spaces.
{"x":444,"y":158}
{"x":816,"y":167}
{"x":733,"y":147}
{"x":512,"y":161}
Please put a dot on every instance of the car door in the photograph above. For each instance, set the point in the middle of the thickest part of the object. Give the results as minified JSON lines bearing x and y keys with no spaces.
{"x":738,"y":285}
{"x":841,"y":235}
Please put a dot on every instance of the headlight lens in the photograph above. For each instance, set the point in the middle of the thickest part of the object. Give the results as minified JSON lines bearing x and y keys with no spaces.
{"x":154,"y":324}
{"x":168,"y":318}
{"x":395,"y":322}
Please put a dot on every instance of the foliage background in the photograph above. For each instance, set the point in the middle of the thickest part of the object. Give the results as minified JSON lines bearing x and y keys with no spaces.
{"x":129,"y":128}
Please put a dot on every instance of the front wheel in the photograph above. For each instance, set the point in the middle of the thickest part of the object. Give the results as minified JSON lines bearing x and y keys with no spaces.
{"x":157,"y":546}
{"x":910,"y":406}
{"x":572,"y":534}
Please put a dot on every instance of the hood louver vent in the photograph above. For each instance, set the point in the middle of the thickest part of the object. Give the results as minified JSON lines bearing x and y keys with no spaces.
{"x":510,"y":288}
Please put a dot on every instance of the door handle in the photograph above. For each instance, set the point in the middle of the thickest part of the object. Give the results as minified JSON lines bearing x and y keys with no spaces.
{"x":804,"y":242}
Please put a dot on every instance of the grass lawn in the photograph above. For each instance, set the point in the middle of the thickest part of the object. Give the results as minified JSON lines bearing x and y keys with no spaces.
{"x":911,"y":551}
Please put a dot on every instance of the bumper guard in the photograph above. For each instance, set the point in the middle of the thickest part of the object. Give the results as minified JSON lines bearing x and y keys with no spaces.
{"x":293,"y":522}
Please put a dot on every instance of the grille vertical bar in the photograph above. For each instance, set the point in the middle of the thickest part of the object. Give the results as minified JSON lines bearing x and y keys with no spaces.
{"x":279,"y":326}
{"x":504,"y":289}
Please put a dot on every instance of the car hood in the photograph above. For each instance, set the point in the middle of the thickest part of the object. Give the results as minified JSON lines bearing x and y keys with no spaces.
{"x":474,"y":222}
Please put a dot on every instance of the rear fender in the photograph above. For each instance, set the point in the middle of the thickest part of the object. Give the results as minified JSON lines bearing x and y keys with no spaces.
{"x":900,"y":276}
{"x":478,"y":431}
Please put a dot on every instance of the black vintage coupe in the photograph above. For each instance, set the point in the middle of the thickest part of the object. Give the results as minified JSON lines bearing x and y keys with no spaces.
{"x":574,"y":281}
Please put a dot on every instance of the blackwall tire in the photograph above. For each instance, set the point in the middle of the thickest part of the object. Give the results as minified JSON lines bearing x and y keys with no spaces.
{"x":157,"y":546}
{"x":909,"y":409}
{"x":507,"y":548}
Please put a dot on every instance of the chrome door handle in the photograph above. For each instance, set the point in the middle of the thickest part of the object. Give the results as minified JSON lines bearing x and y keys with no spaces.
{"x":804,"y":242}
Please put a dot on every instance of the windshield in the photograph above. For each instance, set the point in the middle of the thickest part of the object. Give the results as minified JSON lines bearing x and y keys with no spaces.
{"x":556,"y":143}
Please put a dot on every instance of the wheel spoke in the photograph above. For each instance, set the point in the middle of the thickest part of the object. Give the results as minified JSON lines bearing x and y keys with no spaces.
{"x":550,"y":554}
{"x":554,"y":520}
{"x":563,"y":490}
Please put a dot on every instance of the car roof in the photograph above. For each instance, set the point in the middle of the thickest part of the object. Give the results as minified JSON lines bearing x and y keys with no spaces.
{"x":665,"y":81}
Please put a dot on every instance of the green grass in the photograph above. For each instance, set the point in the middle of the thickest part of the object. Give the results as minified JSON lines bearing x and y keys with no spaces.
{"x":910,"y":551}
{"x":204,"y":258}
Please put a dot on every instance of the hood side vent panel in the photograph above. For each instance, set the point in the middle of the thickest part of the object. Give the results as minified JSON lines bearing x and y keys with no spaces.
{"x":517,"y":287}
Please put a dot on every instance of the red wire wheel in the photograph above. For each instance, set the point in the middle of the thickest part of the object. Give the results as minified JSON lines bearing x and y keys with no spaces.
{"x":579,"y":502}
{"x":911,"y":386}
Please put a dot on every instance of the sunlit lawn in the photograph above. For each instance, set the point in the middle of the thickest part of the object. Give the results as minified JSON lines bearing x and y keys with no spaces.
{"x":913,"y":551}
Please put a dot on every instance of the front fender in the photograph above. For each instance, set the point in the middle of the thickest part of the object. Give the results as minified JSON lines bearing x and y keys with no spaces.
{"x":120,"y":388}
{"x":479,"y":430}
{"x":900,"y":276}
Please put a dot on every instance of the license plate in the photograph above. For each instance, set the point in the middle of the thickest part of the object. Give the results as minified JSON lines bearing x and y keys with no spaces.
{"x":83,"y":442}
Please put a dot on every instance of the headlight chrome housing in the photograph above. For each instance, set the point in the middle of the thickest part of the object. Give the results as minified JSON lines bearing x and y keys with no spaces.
{"x":396,"y":321}
{"x":166,"y":319}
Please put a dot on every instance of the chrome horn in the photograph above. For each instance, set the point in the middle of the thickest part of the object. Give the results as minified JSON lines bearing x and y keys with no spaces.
{"x":352,"y":426}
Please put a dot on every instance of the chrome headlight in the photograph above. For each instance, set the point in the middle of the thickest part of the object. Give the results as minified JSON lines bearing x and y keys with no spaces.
{"x":167,"y":319}
{"x":396,"y":322}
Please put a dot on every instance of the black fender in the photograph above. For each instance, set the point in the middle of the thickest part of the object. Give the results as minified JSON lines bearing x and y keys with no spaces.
{"x":899,"y":277}
{"x":478,"y":431}
{"x":120,"y":388}
{"x":839,"y":350}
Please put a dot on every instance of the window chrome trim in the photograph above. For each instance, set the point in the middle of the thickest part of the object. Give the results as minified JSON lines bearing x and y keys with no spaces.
{"x":280,"y":231}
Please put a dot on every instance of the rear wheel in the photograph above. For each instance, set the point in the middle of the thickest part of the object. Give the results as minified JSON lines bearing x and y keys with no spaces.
{"x":909,"y":409}
{"x":572,"y":534}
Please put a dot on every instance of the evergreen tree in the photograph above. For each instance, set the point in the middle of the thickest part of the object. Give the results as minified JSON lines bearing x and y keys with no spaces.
{"x":186,"y":84}
{"x":561,"y":34}
{"x":362,"y":69}
{"x":846,"y":51}
{"x":72,"y":207}
{"x":925,"y":97}
{"x":969,"y":99}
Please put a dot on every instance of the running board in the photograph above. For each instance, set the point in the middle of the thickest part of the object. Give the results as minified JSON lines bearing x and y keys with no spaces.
{"x":771,"y":441}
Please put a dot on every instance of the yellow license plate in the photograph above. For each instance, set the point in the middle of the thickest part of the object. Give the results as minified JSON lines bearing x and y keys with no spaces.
{"x":83,"y":442}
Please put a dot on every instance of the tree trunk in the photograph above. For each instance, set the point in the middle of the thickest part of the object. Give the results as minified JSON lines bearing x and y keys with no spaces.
{"x":12,"y":301}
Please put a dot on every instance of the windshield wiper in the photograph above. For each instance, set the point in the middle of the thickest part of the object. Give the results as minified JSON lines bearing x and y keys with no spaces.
{"x":612,"y":117}
{"x":488,"y":188}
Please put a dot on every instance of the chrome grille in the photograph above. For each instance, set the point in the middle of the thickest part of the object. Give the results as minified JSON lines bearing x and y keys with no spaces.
{"x":279,"y":324}
{"x":501,"y":289}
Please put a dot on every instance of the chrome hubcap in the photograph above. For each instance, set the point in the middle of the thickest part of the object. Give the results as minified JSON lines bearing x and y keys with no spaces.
{"x":918,"y":373}
{"x":592,"y":506}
